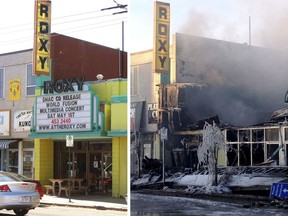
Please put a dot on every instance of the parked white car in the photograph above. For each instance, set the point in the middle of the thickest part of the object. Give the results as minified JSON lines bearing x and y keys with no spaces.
{"x":17,"y":195}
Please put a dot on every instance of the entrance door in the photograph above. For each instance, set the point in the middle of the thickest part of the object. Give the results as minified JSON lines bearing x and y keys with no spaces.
{"x":12,"y":159}
{"x":96,"y":172}
{"x":28,"y":163}
{"x":79,"y":166}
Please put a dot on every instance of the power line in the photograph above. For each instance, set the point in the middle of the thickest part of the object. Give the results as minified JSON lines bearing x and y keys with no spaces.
{"x":53,"y":19}
{"x":91,"y":26}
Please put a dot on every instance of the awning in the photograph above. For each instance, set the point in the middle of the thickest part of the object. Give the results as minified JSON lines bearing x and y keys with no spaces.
{"x":4,"y":144}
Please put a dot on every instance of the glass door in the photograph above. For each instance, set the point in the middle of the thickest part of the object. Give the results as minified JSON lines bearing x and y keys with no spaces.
{"x":12,"y":160}
{"x":28,"y":163}
{"x":96,"y":172}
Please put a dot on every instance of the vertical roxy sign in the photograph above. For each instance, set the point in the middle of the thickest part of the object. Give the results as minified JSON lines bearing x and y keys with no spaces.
{"x":161,"y":37}
{"x":42,"y":29}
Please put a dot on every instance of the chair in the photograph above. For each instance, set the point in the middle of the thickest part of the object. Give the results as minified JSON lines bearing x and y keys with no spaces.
{"x":48,"y":188}
{"x":65,"y":189}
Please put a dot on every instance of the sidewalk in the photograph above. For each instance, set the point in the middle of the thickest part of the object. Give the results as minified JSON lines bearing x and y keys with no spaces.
{"x":90,"y":201}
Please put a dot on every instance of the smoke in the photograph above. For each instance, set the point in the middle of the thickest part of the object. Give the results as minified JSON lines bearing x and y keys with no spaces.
{"x":245,"y":84}
{"x":229,"y":20}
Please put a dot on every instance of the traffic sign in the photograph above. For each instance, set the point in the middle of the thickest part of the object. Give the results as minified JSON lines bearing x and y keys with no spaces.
{"x":163,"y":133}
{"x":69,"y":141}
{"x":279,"y":190}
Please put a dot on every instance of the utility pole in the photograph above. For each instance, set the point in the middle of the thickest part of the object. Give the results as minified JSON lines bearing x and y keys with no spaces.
{"x":124,"y":10}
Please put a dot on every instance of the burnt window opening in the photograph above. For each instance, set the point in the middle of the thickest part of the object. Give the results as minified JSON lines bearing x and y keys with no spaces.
{"x":244,"y":155}
{"x":272,"y":134}
{"x":244,"y":135}
{"x":257,"y":135}
{"x":286,"y":134}
{"x":273,"y":152}
{"x":232,"y":155}
{"x":257,"y":153}
{"x":232,"y":135}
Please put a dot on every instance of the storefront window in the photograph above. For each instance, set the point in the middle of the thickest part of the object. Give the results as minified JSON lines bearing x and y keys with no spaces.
{"x":91,"y":161}
{"x":273,"y":152}
{"x":272,"y":134}
{"x":257,"y":153}
{"x":244,"y":135}
{"x":232,"y":154}
{"x":13,"y":161}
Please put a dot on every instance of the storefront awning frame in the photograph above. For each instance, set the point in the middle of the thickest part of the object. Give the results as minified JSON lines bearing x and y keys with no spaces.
{"x":4,"y":144}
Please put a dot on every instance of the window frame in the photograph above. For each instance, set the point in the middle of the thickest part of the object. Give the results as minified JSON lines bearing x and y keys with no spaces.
{"x":28,"y":85}
{"x":2,"y":84}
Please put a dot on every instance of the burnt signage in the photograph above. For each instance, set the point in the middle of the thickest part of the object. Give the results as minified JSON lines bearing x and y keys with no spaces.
{"x":64,"y":85}
{"x":152,"y":109}
{"x":161,"y":37}
{"x":42,"y":29}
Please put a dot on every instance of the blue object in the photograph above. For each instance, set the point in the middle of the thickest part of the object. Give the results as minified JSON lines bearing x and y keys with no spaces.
{"x":279,"y":190}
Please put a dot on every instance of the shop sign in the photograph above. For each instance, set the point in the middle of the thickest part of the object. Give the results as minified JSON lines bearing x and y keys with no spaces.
{"x":152,"y":113}
{"x":161,"y":37}
{"x":4,"y":123}
{"x":22,"y":120}
{"x":14,"y":89}
{"x":63,"y":85}
{"x":63,"y":112}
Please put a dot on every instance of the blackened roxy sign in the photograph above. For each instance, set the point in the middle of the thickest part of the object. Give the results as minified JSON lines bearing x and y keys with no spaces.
{"x":64,"y":112}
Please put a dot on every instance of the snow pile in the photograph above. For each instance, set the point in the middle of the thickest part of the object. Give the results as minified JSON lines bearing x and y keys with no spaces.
{"x":220,"y":189}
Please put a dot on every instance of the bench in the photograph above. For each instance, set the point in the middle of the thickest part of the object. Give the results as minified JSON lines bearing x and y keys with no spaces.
{"x":48,"y":188}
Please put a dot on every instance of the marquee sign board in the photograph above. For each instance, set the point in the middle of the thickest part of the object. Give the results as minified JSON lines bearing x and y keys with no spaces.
{"x":64,"y":112}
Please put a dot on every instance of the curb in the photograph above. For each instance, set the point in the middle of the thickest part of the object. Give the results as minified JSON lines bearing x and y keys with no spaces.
{"x":84,"y":206}
{"x":239,"y":198}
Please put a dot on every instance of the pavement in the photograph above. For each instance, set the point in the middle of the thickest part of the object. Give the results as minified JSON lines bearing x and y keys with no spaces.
{"x":99,"y":201}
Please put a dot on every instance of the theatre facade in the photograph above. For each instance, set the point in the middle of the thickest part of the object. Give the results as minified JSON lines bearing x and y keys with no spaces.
{"x":84,"y":97}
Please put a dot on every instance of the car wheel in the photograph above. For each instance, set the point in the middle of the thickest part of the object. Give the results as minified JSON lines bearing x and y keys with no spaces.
{"x":21,"y":212}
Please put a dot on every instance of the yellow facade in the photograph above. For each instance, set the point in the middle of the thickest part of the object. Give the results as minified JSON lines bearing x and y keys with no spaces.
{"x":113,"y":104}
{"x":43,"y":160}
{"x":119,"y":169}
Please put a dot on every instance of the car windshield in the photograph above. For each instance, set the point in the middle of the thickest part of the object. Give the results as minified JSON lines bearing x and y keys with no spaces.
{"x":5,"y":177}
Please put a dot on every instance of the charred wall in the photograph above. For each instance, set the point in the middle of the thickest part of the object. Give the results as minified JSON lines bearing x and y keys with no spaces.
{"x":245,"y":84}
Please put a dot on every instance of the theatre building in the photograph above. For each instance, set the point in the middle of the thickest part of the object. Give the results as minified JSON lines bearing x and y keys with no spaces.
{"x":79,"y":117}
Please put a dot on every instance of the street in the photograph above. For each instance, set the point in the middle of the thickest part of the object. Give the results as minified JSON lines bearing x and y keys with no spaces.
{"x":142,"y":204}
{"x":49,"y":210}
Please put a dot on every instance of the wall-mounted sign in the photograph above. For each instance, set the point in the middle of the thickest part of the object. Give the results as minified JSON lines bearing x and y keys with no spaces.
{"x":152,"y":113}
{"x":69,"y":140}
{"x":14,"y":89}
{"x":42,"y":29}
{"x":4,"y":123}
{"x":64,"y":85}
{"x":64,"y":112}
{"x":161,"y":37}
{"x":22,"y":120}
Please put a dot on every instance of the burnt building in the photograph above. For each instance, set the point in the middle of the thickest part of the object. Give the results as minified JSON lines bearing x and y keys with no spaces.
{"x":235,"y":85}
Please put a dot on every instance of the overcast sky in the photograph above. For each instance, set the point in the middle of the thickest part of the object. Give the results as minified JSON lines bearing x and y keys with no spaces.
{"x":80,"y":19}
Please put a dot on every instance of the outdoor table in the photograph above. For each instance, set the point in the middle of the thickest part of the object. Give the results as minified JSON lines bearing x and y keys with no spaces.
{"x":74,"y":181}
